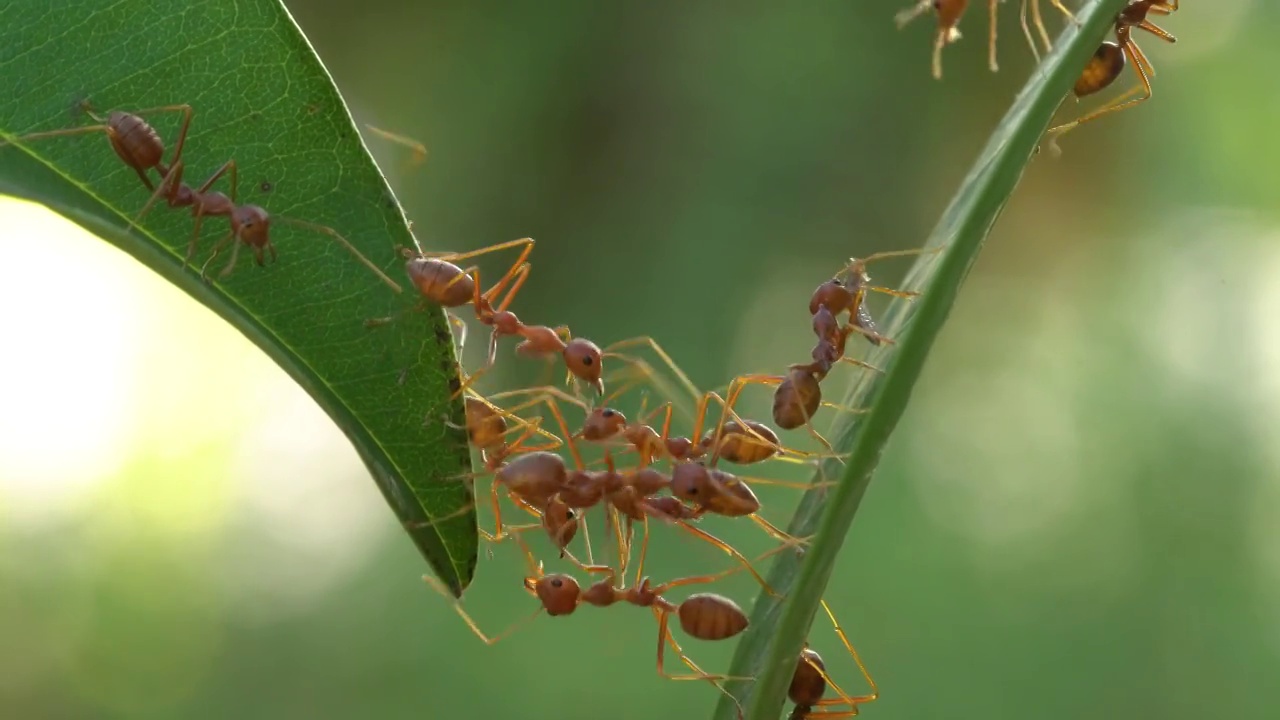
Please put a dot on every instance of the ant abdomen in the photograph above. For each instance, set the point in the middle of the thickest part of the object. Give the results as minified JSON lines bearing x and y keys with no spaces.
{"x":797,"y":399}
{"x":1104,"y":67}
{"x":485,"y":426}
{"x":807,"y":684}
{"x":441,"y":282}
{"x":708,"y":616}
{"x":743,"y":446}
{"x":134,"y":140}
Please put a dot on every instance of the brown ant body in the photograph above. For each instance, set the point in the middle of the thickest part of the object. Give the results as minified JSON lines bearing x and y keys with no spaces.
{"x":1109,"y":60}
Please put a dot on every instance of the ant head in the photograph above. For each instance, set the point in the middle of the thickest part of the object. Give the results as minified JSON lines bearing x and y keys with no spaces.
{"x":252,"y":225}
{"x":689,"y":481}
{"x":560,"y":522}
{"x":603,"y":423}
{"x":582,"y":357}
{"x":557,"y":593}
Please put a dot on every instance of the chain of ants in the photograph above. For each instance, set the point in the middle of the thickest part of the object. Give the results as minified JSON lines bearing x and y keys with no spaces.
{"x":537,"y":479}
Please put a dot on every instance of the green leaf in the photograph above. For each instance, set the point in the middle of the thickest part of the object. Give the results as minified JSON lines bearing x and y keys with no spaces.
{"x":770,"y":648}
{"x":262,"y":97}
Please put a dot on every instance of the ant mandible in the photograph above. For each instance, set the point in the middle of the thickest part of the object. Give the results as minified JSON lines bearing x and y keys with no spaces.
{"x":1109,"y":60}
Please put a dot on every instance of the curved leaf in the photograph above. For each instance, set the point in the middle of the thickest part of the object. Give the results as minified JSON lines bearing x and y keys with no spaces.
{"x":262,"y":97}
{"x":770,"y":648}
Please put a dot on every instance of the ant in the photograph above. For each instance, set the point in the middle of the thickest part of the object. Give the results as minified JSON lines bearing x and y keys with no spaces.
{"x":810,"y":681}
{"x":442,"y":282}
{"x":1109,"y":60}
{"x":139,"y":146}
{"x":417,"y":151}
{"x":704,"y":616}
{"x":133,"y":139}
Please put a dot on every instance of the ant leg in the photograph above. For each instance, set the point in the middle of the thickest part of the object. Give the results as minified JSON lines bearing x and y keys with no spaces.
{"x":852,"y":702}
{"x":1038,"y":20}
{"x":991,"y":39}
{"x":418,"y":154}
{"x":855,"y":264}
{"x":517,"y":274}
{"x":346,"y":244}
{"x":732,"y":551}
{"x":458,"y":323}
{"x":454,"y":257}
{"x":943,"y":38}
{"x":716,"y":577}
{"x":420,"y":306}
{"x":471,"y":623}
{"x":218,"y":248}
{"x":1026,"y":29}
{"x":1141,"y":66}
{"x":1158,"y":32}
{"x":906,"y":16}
{"x":666,"y":638}
{"x":1071,"y":16}
{"x":662,"y":354}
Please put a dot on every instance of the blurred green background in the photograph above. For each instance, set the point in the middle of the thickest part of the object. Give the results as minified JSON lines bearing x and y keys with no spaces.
{"x":1079,"y":516}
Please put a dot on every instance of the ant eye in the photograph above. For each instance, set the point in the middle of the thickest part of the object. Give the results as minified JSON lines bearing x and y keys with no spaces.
{"x":557,"y":583}
{"x":588,"y":361}
{"x":608,"y":413}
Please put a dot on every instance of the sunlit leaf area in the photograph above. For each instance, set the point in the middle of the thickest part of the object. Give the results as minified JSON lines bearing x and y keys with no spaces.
{"x":1077,"y":516}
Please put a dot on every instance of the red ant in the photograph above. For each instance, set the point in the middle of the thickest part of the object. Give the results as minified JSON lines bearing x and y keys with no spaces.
{"x":705,"y":616}
{"x":810,"y":682}
{"x":1109,"y":60}
{"x":442,"y":282}
{"x":139,"y":146}
{"x":133,"y":139}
